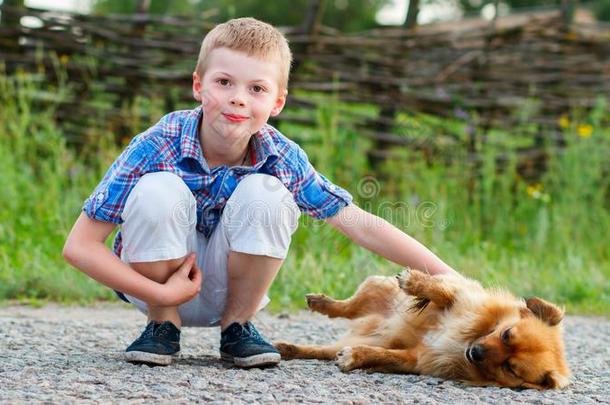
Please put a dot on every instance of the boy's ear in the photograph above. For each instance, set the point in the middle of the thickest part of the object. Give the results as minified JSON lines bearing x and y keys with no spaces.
{"x":280,"y":102}
{"x":197,"y":86}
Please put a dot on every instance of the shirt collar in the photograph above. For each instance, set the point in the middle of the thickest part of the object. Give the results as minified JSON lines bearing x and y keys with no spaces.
{"x":189,"y":138}
{"x":264,"y":148}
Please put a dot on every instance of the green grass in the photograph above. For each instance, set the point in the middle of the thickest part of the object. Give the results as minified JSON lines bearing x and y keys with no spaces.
{"x":550,"y":240}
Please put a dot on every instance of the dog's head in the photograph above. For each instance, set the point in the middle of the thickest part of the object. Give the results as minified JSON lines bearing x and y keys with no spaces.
{"x":520,"y":348}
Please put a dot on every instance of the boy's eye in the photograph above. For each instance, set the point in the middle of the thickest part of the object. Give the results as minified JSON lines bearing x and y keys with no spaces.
{"x":257,"y":89}
{"x":223,"y":82}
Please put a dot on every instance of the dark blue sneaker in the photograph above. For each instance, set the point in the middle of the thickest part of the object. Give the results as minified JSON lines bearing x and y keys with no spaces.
{"x":245,"y":347}
{"x":158,"y":344}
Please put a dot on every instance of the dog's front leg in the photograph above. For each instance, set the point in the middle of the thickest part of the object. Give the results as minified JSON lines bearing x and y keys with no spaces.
{"x":426,"y":288}
{"x":377,"y":359}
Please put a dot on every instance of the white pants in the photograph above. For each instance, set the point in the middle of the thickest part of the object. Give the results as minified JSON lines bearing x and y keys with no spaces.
{"x":159,"y":224}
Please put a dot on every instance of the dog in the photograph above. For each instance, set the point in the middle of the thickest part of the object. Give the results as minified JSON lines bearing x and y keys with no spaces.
{"x":446,"y":326}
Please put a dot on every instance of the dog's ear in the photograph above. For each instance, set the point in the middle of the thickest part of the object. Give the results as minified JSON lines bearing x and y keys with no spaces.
{"x":544,"y":310}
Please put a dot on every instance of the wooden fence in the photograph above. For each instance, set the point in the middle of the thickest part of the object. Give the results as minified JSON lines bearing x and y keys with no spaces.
{"x":475,"y":71}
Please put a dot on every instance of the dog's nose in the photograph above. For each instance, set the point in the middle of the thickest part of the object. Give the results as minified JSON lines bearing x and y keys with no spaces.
{"x":477,"y":353}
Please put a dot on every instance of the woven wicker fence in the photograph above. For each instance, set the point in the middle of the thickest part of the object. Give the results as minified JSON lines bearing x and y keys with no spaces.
{"x":484,"y":73}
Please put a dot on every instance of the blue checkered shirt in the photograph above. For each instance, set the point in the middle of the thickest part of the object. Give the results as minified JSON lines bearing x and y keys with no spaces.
{"x":172,"y":145}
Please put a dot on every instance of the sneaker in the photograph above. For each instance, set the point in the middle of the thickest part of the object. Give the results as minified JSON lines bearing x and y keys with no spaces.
{"x":245,"y":347}
{"x":158,"y":344}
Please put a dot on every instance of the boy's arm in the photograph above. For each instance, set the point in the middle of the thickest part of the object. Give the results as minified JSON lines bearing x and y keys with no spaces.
{"x":383,"y":238}
{"x":85,"y":250}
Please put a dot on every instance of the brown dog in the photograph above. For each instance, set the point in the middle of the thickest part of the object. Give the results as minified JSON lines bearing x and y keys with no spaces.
{"x":444,"y":326}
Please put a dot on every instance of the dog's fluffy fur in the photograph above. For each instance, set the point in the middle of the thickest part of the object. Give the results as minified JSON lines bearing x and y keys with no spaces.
{"x":444,"y":326}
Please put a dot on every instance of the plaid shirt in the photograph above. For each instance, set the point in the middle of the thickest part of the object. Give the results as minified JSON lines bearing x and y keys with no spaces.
{"x":172,"y":145}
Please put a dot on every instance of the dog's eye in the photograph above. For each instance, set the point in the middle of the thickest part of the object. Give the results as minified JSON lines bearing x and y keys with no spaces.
{"x":508,"y":368}
{"x":505,"y":336}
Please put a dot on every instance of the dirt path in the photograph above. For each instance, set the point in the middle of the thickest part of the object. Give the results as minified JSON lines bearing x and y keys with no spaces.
{"x":67,"y":354}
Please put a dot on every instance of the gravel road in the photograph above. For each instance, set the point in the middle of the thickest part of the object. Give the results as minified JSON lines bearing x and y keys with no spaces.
{"x":58,"y":354}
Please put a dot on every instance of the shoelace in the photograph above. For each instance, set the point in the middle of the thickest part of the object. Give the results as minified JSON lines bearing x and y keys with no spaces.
{"x":243,"y":331}
{"x":248,"y":330}
{"x":155,"y":329}
{"x":148,"y":332}
{"x":254,"y":333}
{"x":164,"y":332}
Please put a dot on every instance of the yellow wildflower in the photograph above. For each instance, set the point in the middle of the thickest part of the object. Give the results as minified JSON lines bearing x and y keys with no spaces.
{"x":564,"y":121}
{"x":584,"y":130}
{"x":63,"y":59}
{"x":534,"y":190}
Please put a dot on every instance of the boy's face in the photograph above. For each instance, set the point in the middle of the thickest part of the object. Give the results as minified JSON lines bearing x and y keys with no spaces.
{"x":238,"y":94}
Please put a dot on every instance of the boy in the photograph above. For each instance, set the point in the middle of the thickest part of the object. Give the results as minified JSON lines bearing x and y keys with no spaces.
{"x":217,"y":189}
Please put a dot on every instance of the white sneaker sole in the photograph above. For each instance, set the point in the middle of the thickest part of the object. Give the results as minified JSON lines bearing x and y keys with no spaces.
{"x":258,"y":360}
{"x":150,"y":358}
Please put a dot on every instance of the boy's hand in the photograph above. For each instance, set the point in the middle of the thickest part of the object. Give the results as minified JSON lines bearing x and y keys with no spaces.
{"x":184,"y":284}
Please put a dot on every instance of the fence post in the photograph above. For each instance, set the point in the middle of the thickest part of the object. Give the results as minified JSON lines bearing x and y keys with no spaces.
{"x":568,"y":9}
{"x":142,"y":7}
{"x":310,"y":27}
{"x":12,"y":21}
{"x":313,"y":18}
{"x":412,"y":12}
{"x":387,"y":114}
{"x":137,"y":31}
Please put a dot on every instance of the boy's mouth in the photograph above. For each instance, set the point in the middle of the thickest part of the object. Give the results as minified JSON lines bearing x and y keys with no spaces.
{"x":234,"y":117}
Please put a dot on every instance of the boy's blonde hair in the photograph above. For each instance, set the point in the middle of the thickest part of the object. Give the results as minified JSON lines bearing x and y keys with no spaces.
{"x":249,"y":35}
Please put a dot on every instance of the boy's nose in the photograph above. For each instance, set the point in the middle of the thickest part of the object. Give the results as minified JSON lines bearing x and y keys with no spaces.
{"x":237,"y":101}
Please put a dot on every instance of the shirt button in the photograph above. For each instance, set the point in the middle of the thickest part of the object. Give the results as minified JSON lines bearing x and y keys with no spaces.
{"x":100,"y":196}
{"x":222,"y":200}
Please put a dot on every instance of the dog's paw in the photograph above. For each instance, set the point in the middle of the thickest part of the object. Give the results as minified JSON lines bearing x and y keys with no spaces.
{"x":403,"y":278}
{"x":317,"y":302}
{"x":288,"y":351}
{"x":345,"y":359}
{"x":412,"y":281}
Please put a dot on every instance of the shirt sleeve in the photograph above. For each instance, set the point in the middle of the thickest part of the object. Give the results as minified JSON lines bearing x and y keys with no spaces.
{"x":314,"y":194}
{"x":107,"y":201}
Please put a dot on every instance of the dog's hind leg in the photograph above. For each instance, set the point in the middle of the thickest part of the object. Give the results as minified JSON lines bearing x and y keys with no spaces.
{"x":376,"y":295}
{"x":291,"y":351}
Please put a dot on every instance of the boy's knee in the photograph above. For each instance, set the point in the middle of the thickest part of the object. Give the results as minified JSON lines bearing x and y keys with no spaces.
{"x":158,"y":220}
{"x":260,"y":217}
{"x":159,"y":197}
{"x":262,"y":200}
